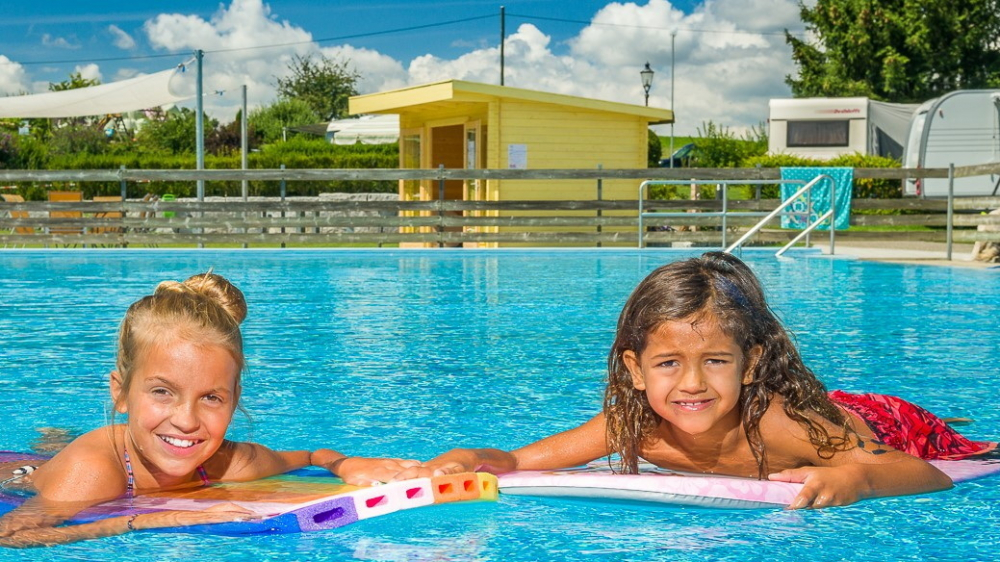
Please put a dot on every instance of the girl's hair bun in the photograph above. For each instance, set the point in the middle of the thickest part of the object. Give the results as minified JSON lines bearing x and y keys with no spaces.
{"x":214,"y":287}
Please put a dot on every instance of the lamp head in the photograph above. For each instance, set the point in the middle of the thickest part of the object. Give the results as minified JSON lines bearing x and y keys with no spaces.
{"x":647,"y":77}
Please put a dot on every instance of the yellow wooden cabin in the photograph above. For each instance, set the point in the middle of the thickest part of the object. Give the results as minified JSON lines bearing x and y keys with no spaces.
{"x":458,"y":124}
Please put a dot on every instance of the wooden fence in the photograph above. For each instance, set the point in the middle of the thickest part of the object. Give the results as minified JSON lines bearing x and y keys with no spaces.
{"x":319,"y":222}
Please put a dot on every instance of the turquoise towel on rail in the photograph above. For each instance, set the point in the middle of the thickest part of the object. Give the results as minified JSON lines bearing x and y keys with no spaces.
{"x":844,"y":179}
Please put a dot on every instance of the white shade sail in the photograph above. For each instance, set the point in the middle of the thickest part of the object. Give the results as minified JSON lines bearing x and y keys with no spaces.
{"x":141,"y":92}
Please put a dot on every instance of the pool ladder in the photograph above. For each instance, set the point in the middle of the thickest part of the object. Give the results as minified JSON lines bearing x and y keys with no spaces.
{"x":806,"y":189}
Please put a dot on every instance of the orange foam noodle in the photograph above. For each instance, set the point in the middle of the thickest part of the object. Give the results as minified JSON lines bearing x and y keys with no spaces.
{"x":457,"y":487}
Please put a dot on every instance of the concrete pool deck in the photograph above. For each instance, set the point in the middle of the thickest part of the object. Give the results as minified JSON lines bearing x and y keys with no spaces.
{"x":923,"y":253}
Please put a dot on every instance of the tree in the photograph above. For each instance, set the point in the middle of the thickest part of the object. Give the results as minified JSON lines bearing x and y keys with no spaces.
{"x":76,"y":80}
{"x":78,"y":139}
{"x":324,"y":85}
{"x":271,"y":122}
{"x":895,"y":50}
{"x":176,"y":133}
{"x":654,"y":150}
{"x":228,"y":139}
{"x":719,"y":147}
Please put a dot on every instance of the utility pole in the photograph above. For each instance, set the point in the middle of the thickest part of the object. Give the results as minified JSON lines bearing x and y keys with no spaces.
{"x":199,"y":125}
{"x":503,"y":39}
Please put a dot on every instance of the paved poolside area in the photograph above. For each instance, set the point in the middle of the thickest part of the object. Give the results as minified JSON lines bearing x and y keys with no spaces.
{"x":927,"y":253}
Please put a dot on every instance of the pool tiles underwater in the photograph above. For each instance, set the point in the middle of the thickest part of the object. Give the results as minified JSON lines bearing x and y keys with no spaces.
{"x":410,"y":353}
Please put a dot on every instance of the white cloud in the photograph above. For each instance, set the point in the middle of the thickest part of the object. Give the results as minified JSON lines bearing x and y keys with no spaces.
{"x":763,"y":16}
{"x":121,"y":40}
{"x":58,"y":42}
{"x":729,"y":57}
{"x":233,"y":32}
{"x":89,"y":72}
{"x":378,"y":72}
{"x":12,"y":78}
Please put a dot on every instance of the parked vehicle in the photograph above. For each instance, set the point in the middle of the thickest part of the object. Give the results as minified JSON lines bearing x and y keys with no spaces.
{"x":824,"y":128}
{"x":681,"y":157}
{"x":960,"y":128}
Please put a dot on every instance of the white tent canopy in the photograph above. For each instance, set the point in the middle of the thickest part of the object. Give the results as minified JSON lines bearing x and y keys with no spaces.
{"x":141,"y":92}
{"x":367,"y":129}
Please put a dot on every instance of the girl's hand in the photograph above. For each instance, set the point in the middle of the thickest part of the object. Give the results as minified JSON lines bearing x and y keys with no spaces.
{"x":362,"y":471}
{"x":432,"y":468}
{"x":823,"y":486}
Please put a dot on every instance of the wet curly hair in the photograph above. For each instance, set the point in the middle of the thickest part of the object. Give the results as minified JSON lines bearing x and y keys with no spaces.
{"x":720,"y":285}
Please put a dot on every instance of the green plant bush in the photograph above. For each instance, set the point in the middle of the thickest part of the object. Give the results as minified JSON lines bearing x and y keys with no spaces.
{"x":866,"y":188}
{"x":718,"y":147}
{"x":78,"y":139}
{"x":27,"y":153}
{"x":654,"y":150}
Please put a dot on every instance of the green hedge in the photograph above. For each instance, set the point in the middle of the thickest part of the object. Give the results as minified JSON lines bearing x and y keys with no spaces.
{"x":864,"y":188}
{"x":294,"y":154}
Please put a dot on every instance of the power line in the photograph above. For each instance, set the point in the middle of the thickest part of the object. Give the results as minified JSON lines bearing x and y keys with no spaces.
{"x":399,"y":30}
{"x":271,"y":46}
{"x":359,"y":35}
{"x":655,"y":28}
{"x":106,"y":59}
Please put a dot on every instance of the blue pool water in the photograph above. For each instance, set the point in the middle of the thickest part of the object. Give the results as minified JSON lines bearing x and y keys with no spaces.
{"x":408,"y":353}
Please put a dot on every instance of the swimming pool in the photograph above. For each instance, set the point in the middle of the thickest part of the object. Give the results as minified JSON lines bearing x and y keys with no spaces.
{"x":407,"y":353}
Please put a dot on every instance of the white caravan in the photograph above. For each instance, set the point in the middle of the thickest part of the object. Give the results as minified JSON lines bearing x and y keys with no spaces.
{"x":824,"y":128}
{"x":960,"y":128}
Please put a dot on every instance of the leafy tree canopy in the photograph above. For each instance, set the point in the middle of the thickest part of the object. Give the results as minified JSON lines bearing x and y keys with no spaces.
{"x":654,"y":151}
{"x":76,"y":80}
{"x":897,"y":50}
{"x":78,"y":139}
{"x":323,"y":84}
{"x":271,"y":121}
{"x":174,"y":134}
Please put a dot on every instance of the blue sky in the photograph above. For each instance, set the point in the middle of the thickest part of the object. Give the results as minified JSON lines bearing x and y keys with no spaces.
{"x":729,"y":55}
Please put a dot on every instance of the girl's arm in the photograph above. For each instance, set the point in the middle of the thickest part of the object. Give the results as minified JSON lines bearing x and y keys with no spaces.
{"x":867,"y":470}
{"x":34,"y":523}
{"x":573,"y":447}
{"x":360,"y":471}
{"x":251,"y":461}
{"x":77,"y":478}
{"x":243,"y":462}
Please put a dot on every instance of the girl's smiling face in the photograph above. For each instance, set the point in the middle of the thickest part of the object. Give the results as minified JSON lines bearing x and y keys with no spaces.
{"x":692,"y":374}
{"x":180,"y":403}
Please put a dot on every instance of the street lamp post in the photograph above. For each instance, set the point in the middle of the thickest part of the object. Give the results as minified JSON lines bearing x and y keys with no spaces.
{"x":673,"y":34}
{"x":647,"y":80}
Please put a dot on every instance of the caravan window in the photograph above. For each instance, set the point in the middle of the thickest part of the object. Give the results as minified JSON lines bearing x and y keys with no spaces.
{"x":818,"y":133}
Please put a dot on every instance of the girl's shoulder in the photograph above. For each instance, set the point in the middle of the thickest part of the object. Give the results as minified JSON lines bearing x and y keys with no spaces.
{"x":777,"y":426}
{"x":87,"y":468}
{"x":99,"y":445}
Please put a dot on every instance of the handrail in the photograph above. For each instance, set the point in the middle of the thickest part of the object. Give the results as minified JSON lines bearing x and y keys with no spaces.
{"x":760,"y":225}
{"x":806,"y":232}
{"x":831,"y":214}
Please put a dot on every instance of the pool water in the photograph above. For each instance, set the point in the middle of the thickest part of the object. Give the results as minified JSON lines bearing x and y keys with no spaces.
{"x":409,"y":353}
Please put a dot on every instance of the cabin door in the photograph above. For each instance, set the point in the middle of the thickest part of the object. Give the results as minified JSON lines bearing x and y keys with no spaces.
{"x":475,"y":190}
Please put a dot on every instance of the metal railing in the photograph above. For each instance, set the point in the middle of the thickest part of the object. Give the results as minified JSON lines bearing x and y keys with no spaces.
{"x":724,"y":214}
{"x":780,"y":209}
{"x":603,"y":222}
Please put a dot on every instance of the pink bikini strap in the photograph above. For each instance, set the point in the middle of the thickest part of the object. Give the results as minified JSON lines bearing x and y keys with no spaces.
{"x":130,"y":482}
